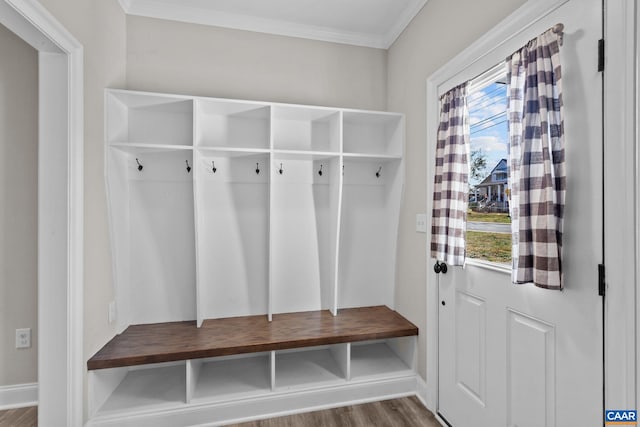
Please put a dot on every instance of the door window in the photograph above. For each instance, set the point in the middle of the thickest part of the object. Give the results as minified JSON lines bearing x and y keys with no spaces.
{"x":488,"y":222}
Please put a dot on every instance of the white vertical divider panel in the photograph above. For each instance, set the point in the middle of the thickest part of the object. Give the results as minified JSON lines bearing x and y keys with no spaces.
{"x":117,"y":197}
{"x":197,"y":160}
{"x":271,"y":242}
{"x":336,"y":192}
{"x":342,"y":355}
{"x":272,"y":369}
{"x":193,"y":368}
{"x":396,"y":195}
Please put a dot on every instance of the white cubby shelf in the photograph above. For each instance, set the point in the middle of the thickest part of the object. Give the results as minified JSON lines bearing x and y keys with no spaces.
{"x":223,"y":209}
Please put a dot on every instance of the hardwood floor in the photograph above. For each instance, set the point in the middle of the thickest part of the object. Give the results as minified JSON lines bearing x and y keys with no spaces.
{"x":23,"y":417}
{"x":404,"y":412}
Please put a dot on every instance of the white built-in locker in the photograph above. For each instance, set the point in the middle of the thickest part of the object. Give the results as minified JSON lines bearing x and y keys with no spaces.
{"x":222,"y":208}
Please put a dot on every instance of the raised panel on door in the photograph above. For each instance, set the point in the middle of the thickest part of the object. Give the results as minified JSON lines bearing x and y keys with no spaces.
{"x":471,"y":346}
{"x":531,"y":371}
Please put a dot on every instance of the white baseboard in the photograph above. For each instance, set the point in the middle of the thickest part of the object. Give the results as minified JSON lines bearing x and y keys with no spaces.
{"x":18,"y":396}
{"x":272,"y":405}
{"x":422,"y":392}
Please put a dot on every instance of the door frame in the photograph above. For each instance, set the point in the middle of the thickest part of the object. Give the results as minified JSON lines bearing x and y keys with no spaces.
{"x":620,"y":356}
{"x":60,"y":209}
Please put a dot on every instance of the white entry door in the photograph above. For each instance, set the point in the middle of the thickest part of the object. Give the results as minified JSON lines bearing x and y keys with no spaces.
{"x":517,"y":355}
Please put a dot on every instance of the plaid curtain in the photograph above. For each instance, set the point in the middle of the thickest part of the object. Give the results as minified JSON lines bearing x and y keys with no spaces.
{"x":451,"y":183}
{"x":537,"y":173}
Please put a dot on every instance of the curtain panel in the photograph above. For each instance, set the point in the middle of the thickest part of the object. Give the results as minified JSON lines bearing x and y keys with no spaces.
{"x":451,"y":183}
{"x":537,"y":170}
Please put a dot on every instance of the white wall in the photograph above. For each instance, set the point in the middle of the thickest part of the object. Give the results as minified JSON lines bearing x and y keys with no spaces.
{"x":18,"y":207}
{"x":175,"y":57}
{"x":440,"y":31}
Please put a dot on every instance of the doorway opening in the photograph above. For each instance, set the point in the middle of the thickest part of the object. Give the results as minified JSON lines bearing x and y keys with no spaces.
{"x":60,"y":209}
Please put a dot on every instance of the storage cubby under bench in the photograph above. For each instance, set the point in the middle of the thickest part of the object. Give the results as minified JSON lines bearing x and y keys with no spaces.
{"x":170,"y":365}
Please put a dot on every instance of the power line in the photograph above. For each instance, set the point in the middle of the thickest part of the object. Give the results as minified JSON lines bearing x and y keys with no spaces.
{"x":489,"y":127}
{"x":488,"y":119}
{"x":488,"y":102}
{"x":490,"y":94}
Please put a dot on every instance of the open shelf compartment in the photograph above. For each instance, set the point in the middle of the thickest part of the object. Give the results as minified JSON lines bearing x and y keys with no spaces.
{"x":230,"y":377}
{"x":232,"y":124}
{"x":311,"y":366}
{"x":373,"y":133}
{"x":137,"y":388}
{"x":142,"y":118}
{"x":392,"y":357}
{"x":306,"y":129}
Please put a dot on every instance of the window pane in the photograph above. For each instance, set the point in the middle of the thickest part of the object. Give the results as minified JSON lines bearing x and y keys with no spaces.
{"x":488,"y":221}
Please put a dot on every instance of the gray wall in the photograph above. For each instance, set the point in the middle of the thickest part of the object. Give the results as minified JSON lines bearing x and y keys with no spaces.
{"x":175,"y":57}
{"x":440,"y":31}
{"x":18,"y":207}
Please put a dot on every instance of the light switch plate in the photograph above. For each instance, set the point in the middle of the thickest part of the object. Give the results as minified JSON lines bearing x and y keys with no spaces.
{"x":421,"y":223}
{"x":23,"y":338}
{"x":112,"y":311}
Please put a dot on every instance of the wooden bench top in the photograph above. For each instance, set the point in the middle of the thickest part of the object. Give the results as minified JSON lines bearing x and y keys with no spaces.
{"x":167,"y":342}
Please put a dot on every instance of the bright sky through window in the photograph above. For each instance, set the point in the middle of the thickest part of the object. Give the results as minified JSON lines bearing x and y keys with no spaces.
{"x":488,"y":124}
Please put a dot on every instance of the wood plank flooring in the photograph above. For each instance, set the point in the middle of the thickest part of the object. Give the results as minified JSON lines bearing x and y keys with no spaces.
{"x":404,"y":412}
{"x":23,"y":417}
{"x":167,"y":342}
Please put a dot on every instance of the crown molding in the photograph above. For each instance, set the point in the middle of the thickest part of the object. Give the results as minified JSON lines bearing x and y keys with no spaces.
{"x":195,"y":15}
{"x":403,"y":22}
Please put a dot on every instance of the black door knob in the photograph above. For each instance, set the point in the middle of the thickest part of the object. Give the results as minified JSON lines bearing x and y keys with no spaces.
{"x":440,"y":267}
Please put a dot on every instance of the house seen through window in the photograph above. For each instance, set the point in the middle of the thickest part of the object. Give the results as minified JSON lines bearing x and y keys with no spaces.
{"x":488,"y":221}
